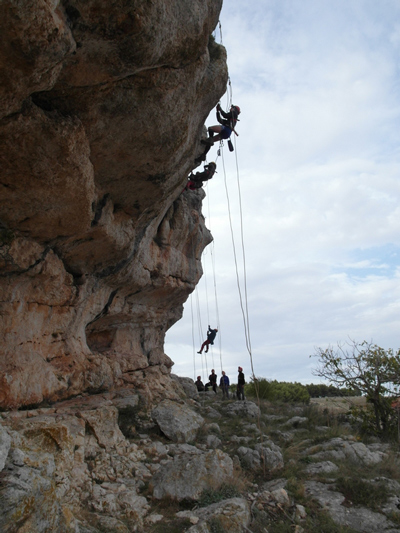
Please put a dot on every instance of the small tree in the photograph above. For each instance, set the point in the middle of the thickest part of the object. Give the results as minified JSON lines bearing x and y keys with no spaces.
{"x":367,"y":368}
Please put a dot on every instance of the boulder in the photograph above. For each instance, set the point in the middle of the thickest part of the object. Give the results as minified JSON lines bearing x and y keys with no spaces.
{"x":296,"y":421}
{"x":213,"y":441}
{"x":359,"y":519}
{"x":187,"y":475}
{"x":246,"y":409}
{"x":324,"y":467}
{"x":188,"y":386}
{"x":119,"y":502}
{"x":231,"y":516}
{"x":339,"y":449}
{"x":268,"y":454}
{"x":177,"y":421}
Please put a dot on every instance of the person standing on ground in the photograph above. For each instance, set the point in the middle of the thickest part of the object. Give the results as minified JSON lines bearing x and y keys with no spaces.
{"x":240,"y":385}
{"x":212,"y":378}
{"x":224,"y":384}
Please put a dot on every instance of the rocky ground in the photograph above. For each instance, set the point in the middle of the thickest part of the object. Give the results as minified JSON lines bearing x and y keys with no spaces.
{"x":104,"y":463}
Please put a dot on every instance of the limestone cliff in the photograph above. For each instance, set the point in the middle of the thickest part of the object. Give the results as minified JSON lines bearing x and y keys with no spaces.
{"x":102,"y":106}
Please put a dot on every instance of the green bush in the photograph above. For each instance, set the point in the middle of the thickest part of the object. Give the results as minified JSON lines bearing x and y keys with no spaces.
{"x":365,"y":419}
{"x":277,"y":391}
{"x":360,"y":492}
{"x":322,"y":391}
{"x":209,"y":496}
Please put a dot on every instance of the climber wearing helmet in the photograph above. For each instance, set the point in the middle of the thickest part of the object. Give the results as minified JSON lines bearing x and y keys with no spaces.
{"x":228,"y":122}
{"x":211,"y":333}
{"x":195,"y":181}
{"x":240,"y":385}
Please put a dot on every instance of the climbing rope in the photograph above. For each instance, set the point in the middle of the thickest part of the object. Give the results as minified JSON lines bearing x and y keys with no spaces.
{"x":203,"y":355}
{"x":247,"y":321}
{"x":243,"y":306}
{"x":194,"y":347}
{"x":212,"y":252}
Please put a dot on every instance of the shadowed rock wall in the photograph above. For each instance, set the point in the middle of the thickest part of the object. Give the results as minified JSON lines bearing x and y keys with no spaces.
{"x":102,"y":106}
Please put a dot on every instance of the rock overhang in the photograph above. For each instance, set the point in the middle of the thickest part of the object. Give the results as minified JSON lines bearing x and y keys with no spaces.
{"x":102,"y":112}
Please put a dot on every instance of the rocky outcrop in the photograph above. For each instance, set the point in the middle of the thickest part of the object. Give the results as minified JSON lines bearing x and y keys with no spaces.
{"x":102,"y":107}
{"x":99,"y":463}
{"x":177,"y":421}
{"x":190,"y":473}
{"x":362,"y":520}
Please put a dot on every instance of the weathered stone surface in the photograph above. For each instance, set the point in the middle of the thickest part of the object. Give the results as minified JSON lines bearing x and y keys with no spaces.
{"x":360,"y":519}
{"x":189,"y":474}
{"x":35,"y":40}
{"x":213,"y":441}
{"x":177,"y":421}
{"x":339,"y":449}
{"x":58,"y":460}
{"x":5,"y":443}
{"x":27,"y":494}
{"x":247,"y":409}
{"x":99,"y":247}
{"x":199,"y":528}
{"x":297,"y":421}
{"x":231,"y":515}
{"x":188,"y":386}
{"x":103,"y":423}
{"x":108,"y":523}
{"x":324,"y":467}
{"x":268,"y":454}
{"x":118,"y":501}
{"x":212,"y":413}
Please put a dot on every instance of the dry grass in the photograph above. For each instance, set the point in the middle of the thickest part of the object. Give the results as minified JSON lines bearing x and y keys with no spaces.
{"x":338,"y":405}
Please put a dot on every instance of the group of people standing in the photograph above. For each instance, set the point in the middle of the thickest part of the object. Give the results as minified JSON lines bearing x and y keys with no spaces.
{"x":223,"y":384}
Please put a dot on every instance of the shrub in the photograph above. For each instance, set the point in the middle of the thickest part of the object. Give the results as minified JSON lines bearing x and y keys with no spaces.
{"x":361,"y":492}
{"x":277,"y":391}
{"x":209,"y":496}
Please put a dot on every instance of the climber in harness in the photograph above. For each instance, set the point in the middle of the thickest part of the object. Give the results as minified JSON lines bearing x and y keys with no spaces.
{"x":211,"y":334}
{"x":228,"y":122}
{"x":195,"y":181}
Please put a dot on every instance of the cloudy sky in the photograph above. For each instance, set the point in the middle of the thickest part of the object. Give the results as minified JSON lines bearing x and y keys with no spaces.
{"x":317,"y":166}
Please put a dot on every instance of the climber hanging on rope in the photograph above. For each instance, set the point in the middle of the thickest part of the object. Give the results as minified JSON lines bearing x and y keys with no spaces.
{"x":195,"y":181}
{"x":211,"y":334}
{"x":228,"y":122}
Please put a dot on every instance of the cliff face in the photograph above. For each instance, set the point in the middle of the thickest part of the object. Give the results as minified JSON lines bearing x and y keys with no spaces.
{"x":102,"y":106}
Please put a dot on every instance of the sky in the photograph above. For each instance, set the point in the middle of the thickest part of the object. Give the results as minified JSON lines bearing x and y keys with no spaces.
{"x":312,"y":191}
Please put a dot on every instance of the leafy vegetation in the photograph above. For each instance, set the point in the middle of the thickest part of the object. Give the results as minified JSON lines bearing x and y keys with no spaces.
{"x":362,"y":492}
{"x":277,"y":391}
{"x":370,"y":370}
{"x":225,"y":492}
{"x":329,"y":391}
